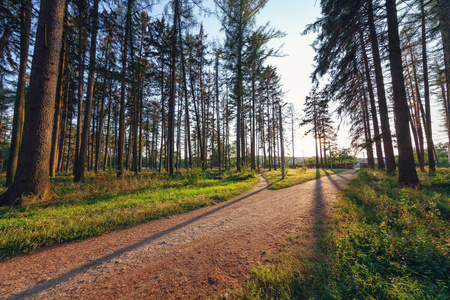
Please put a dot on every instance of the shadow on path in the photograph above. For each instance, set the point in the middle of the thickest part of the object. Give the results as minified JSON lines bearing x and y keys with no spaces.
{"x":86,"y":267}
{"x":336,"y":184}
{"x":318,"y":212}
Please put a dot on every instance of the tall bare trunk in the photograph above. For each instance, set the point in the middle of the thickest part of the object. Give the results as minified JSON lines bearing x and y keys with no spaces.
{"x":80,"y":166}
{"x":59,"y":101}
{"x":32,"y":176}
{"x":373,"y":108}
{"x":382,"y":102}
{"x":406,"y":168}
{"x":100,"y":121}
{"x":171,"y":116}
{"x":121,"y":139}
{"x":19,"y":105}
{"x":428,"y":131}
{"x":62,"y":138}
{"x":81,"y":49}
{"x":444,"y":23}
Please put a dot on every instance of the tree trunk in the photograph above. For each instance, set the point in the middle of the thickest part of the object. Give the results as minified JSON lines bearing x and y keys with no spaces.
{"x":108,"y":122}
{"x":219,"y":146}
{"x":121,"y":139}
{"x":239,"y":100}
{"x":171,"y":128}
{"x":373,"y":108}
{"x":69,"y":145}
{"x":281,"y":141}
{"x":81,"y":49}
{"x":59,"y":101}
{"x":292,"y":125}
{"x":186,"y":98}
{"x":32,"y":176}
{"x":19,"y":105}
{"x":382,"y":103}
{"x":415,"y":118}
{"x":406,"y":168}
{"x":428,"y":131}
{"x":253,"y":125}
{"x":80,"y":166}
{"x":444,"y":23}
{"x":369,"y":147}
{"x":62,"y":138}
{"x":100,"y":121}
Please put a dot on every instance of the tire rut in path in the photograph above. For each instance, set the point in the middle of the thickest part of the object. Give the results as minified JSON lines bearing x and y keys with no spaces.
{"x":193,"y":255}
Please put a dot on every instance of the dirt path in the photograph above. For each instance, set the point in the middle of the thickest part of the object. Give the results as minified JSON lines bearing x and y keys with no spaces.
{"x":194,"y":255}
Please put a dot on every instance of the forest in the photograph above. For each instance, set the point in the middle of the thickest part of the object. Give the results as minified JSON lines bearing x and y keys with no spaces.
{"x":125,"y":90}
{"x":129,"y":91}
{"x":122,"y":113}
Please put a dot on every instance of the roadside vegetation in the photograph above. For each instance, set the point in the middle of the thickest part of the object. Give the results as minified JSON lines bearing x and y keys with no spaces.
{"x":383,"y":242}
{"x":295,"y":176}
{"x":103,"y":203}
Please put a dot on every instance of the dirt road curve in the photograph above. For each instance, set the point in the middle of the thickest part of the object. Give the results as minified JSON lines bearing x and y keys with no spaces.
{"x":194,"y":255}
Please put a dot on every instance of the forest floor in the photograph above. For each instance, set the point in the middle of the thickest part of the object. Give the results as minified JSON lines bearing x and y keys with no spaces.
{"x":195,"y":255}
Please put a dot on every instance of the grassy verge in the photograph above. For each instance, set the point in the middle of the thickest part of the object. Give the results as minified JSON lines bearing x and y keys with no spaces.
{"x":384,"y":242}
{"x":104,"y":203}
{"x":295,"y":176}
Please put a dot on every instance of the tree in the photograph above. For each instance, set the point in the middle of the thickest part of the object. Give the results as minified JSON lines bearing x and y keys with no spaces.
{"x":171,"y":128}
{"x":238,"y":17}
{"x":19,"y":107}
{"x":428,"y":131}
{"x":81,"y":161}
{"x":121,"y":138}
{"x":281,"y":140}
{"x":382,"y":103}
{"x":406,"y":168}
{"x":444,"y":23}
{"x":311,"y":118}
{"x":32,"y":176}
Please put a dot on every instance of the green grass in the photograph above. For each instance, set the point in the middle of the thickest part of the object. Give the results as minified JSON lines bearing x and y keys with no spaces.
{"x":295,"y":176}
{"x":383,"y":242}
{"x":103,"y":203}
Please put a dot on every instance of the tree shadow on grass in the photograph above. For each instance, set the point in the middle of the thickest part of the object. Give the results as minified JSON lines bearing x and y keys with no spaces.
{"x":321,"y":255}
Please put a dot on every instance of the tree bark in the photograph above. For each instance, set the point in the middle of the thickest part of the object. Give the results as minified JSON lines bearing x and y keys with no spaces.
{"x":219,"y":146}
{"x":32,"y":176}
{"x":121,"y":139}
{"x":281,"y":141}
{"x":444,"y":23}
{"x":171,"y":127}
{"x":62,"y":138}
{"x":80,"y":166}
{"x":406,"y":168}
{"x":428,"y":131}
{"x":382,"y":103}
{"x":81,"y":49}
{"x":100,"y":122}
{"x":373,"y":108}
{"x":19,"y":106}
{"x":59,"y":101}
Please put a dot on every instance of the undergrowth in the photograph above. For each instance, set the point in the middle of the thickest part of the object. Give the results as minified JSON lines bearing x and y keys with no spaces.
{"x":383,"y":242}
{"x":104,"y":203}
